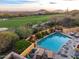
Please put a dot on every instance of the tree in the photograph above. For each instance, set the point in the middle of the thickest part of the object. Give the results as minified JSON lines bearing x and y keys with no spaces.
{"x":23,"y":32}
{"x":7,"y":40}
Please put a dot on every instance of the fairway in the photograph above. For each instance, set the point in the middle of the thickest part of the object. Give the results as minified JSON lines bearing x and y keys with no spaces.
{"x":19,"y":21}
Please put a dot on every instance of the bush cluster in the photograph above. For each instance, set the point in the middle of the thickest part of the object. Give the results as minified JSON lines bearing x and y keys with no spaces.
{"x":23,"y":32}
{"x":65,"y":21}
{"x":7,"y":40}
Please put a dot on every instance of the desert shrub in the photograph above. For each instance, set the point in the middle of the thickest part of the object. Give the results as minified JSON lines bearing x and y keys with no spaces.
{"x":7,"y":40}
{"x":47,"y":32}
{"x":21,"y":45}
{"x":70,"y":21}
{"x":32,"y":38}
{"x":23,"y":32}
{"x":39,"y":35}
{"x":76,"y":22}
{"x":66,"y":21}
{"x":49,"y":23}
{"x":37,"y":28}
{"x":44,"y":33}
{"x":51,"y":30}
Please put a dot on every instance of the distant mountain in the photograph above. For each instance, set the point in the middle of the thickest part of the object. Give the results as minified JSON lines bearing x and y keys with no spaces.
{"x":44,"y":10}
{"x":59,"y":11}
{"x":41,"y":11}
{"x":74,"y":12}
{"x":38,"y":12}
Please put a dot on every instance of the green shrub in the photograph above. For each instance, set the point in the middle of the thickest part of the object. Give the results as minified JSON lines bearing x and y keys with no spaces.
{"x":43,"y":33}
{"x":21,"y":45}
{"x":23,"y":32}
{"x":7,"y":40}
{"x":75,"y":57}
{"x":39,"y":35}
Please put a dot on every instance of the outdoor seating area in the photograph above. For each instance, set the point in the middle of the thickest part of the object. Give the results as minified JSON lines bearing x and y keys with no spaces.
{"x":50,"y":54}
{"x":41,"y":53}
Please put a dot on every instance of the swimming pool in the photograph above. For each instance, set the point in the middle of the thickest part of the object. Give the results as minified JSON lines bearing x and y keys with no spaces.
{"x":53,"y":42}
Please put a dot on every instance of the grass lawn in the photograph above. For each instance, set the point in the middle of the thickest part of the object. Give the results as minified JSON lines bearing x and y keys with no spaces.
{"x":19,"y":21}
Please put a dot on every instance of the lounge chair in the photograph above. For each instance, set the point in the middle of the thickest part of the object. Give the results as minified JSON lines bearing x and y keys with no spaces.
{"x":34,"y":57}
{"x":50,"y":55}
{"x":72,"y":33}
{"x":32,"y":53}
{"x":40,"y":53}
{"x":77,"y":35}
{"x":64,"y":53}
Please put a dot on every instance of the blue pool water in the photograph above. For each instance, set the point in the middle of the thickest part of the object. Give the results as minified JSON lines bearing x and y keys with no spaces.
{"x":53,"y":42}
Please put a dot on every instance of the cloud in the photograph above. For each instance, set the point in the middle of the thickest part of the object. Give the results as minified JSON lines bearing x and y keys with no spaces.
{"x":52,"y":2}
{"x":38,"y":4}
{"x":70,"y":0}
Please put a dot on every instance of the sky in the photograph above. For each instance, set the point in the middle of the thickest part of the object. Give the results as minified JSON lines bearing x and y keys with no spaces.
{"x":32,"y":5}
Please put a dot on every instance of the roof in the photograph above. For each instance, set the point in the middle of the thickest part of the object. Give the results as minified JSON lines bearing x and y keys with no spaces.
{"x":14,"y":55}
